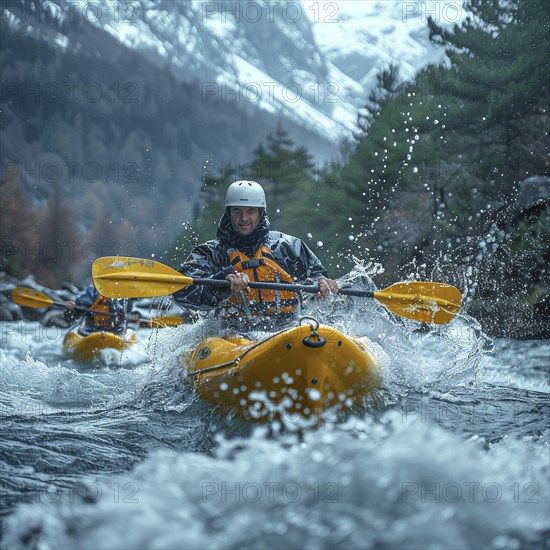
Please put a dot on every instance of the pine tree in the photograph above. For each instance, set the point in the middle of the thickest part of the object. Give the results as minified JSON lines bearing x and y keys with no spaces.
{"x":498,"y":83}
{"x":457,"y":140}
{"x":374,"y":166}
{"x":283,"y":168}
{"x":18,"y":232}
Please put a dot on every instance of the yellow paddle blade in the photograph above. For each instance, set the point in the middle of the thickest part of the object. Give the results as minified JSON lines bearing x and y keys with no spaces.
{"x":30,"y":298}
{"x":425,"y":302}
{"x":123,"y":277}
{"x":164,"y":321}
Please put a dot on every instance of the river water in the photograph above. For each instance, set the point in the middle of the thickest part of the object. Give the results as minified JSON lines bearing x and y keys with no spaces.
{"x":451,"y":452}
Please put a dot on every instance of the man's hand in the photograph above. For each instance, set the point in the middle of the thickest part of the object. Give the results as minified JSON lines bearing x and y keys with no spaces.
{"x":239,"y":281}
{"x":327,"y":287}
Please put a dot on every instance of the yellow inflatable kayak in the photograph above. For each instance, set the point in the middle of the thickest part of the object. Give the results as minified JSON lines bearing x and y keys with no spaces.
{"x":85,"y":348}
{"x":304,"y":372}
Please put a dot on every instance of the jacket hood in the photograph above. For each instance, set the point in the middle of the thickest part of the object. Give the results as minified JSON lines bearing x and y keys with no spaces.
{"x":227,"y":234}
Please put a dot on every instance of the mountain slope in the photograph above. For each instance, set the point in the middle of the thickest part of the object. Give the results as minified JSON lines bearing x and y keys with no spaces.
{"x":311,"y":63}
{"x":180,"y":91}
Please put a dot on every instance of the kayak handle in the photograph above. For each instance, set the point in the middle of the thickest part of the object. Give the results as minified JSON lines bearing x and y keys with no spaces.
{"x":314,"y":343}
{"x":307,"y":341}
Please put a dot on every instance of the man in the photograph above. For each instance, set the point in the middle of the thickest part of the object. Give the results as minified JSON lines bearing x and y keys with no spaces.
{"x":107,"y":315}
{"x":247,"y":249}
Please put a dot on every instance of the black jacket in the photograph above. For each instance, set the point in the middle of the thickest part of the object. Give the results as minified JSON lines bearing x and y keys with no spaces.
{"x":211,"y":259}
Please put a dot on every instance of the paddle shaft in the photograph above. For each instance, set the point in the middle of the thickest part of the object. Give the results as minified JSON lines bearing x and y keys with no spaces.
{"x":123,"y":277}
{"x":144,"y":322}
{"x":283,"y":286}
{"x":85,"y":309}
{"x":28,"y":297}
{"x":171,"y":321}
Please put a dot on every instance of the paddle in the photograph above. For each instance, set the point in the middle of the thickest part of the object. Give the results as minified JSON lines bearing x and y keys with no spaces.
{"x":122,"y":277}
{"x":29,"y":297}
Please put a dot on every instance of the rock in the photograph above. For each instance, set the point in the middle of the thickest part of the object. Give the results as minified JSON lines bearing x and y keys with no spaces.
{"x":72,"y":289}
{"x":55,"y":318}
{"x":64,"y":295}
{"x":31,"y":314}
{"x":16,"y":311}
{"x":13,"y":311}
{"x":5,"y":314}
{"x":532,"y":190}
{"x":30,"y":282}
{"x":6,"y":289}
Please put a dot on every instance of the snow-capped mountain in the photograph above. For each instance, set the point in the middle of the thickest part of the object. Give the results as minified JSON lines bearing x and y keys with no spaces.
{"x":361,"y":38}
{"x":254,"y":54}
{"x":213,"y":80}
{"x":312,"y":63}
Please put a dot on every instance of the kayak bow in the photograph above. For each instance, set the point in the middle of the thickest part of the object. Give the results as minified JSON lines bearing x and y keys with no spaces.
{"x":305,"y":371}
{"x":85,"y":348}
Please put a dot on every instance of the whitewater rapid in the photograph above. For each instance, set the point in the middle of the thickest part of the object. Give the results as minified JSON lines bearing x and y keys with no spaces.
{"x":451,"y":452}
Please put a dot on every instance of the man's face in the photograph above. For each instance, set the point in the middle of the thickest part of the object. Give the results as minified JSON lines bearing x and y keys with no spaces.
{"x":245,"y":219}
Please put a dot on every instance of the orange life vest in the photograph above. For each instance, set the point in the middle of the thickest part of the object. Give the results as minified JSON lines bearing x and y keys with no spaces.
{"x":263,"y":267}
{"x":106,"y":322}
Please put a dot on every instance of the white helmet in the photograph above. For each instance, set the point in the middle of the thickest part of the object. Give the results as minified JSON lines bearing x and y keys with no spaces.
{"x":245,"y":193}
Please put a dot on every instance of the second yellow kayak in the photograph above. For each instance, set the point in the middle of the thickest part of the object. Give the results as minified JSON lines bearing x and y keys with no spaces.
{"x":86,"y":348}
